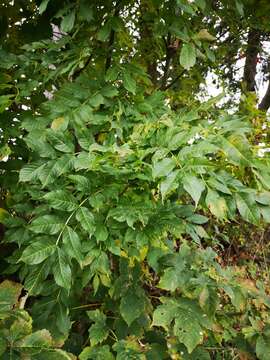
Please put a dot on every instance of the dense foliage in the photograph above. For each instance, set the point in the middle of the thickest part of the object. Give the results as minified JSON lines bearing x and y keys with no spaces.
{"x":134,"y":209}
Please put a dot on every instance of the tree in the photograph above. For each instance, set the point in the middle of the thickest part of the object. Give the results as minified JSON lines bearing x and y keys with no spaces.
{"x":124,"y":192}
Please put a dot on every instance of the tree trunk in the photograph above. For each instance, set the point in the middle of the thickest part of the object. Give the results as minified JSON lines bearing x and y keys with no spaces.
{"x":265,"y":103}
{"x":147,"y":43}
{"x":253,"y":48}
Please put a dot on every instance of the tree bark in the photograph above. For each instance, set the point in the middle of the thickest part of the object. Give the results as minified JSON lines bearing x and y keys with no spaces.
{"x":265,"y":103}
{"x":147,"y":43}
{"x":253,"y":48}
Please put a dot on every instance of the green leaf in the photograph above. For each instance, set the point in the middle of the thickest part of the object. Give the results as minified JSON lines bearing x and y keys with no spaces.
{"x":67,"y":22}
{"x":188,"y":56}
{"x":129,"y":83}
{"x":169,"y":280}
{"x":265,"y":212}
{"x":215,"y":184}
{"x":47,"y":224}
{"x":5,"y":101}
{"x":240,"y":7}
{"x":86,"y":11}
{"x":101,"y":232}
{"x":43,"y":6}
{"x":98,"y":332}
{"x":104,"y":32}
{"x":97,"y":100}
{"x":96,"y":353}
{"x":131,"y":306}
{"x":84,"y":161}
{"x":216,"y":204}
{"x":109,"y":91}
{"x":188,"y":320}
{"x":198,"y":219}
{"x":247,"y":208}
{"x":263,"y":198}
{"x":3,"y":346}
{"x":61,"y":200}
{"x":187,"y":328}
{"x":128,"y":349}
{"x":30,"y":172}
{"x":38,"y":251}
{"x":164,"y":314}
{"x":112,"y":73}
{"x":62,"y":270}
{"x":197,"y":354}
{"x":49,"y":172}
{"x":63,"y":321}
{"x":173,"y":277}
{"x":169,"y":184}
{"x":262,"y":347}
{"x":72,"y":244}
{"x":236,"y":149}
{"x":60,"y":141}
{"x":163,"y":167}
{"x":86,"y":219}
{"x":81,"y":183}
{"x":201,"y":4}
{"x":194,"y":187}
{"x":34,"y":281}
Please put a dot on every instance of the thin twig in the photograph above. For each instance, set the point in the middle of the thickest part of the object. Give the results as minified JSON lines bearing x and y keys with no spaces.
{"x":173,"y":81}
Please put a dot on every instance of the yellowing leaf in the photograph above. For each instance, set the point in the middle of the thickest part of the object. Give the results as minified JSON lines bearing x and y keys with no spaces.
{"x":143,"y":252}
{"x":204,"y":295}
{"x":40,"y":338}
{"x":3,"y":215}
{"x":123,"y":254}
{"x":216,"y":204}
{"x":204,"y":35}
{"x":59,"y":123}
{"x":9,"y":294}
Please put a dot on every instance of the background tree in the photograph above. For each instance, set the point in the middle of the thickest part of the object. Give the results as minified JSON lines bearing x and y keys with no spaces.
{"x":134,"y":212}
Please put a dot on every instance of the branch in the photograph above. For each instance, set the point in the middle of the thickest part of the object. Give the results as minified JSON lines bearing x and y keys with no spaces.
{"x":171,"y":49}
{"x":173,"y":81}
{"x":79,"y":71}
{"x":110,"y":47}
